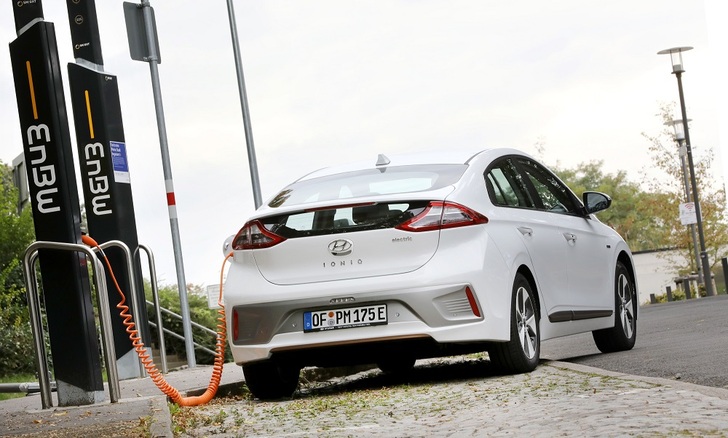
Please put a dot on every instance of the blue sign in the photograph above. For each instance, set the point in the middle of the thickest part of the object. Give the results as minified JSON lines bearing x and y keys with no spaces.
{"x":119,"y":161}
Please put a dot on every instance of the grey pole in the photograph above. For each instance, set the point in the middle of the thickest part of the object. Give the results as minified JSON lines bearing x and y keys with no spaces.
{"x":688,"y":198}
{"x":252,"y":161}
{"x":677,"y":69}
{"x":689,"y":152}
{"x":153,"y":61}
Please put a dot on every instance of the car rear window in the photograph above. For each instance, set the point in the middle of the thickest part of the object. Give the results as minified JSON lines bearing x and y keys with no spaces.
{"x":369,"y":182}
{"x":343,"y":219}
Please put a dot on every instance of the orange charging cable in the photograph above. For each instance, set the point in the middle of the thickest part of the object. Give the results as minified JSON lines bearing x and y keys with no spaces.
{"x":147,"y":362}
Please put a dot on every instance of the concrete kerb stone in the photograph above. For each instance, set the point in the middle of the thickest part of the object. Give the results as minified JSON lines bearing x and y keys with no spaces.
{"x":161,"y":419}
{"x":709,"y":391}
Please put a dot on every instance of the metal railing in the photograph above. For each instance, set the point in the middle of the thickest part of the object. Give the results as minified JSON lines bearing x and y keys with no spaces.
{"x":157,"y":307}
{"x":44,"y":385}
{"x":41,"y":354}
{"x":178,"y":336}
{"x":132,"y":285}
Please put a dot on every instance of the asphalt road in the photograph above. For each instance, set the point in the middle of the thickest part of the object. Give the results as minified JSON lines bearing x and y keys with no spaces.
{"x":683,"y":340}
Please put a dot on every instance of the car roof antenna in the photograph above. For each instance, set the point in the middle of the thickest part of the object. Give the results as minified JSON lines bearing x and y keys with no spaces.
{"x":382,"y":160}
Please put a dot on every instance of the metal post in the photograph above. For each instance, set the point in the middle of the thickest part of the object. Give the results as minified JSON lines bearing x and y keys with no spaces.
{"x":696,"y":199}
{"x":36,"y":327}
{"x":688,"y":198}
{"x":669,"y":293}
{"x":686,"y":288}
{"x":724,"y":262}
{"x":153,"y":60}
{"x":252,"y":161}
{"x":157,"y":307}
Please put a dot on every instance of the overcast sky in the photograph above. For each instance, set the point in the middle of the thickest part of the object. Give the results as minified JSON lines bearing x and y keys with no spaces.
{"x":334,"y":81}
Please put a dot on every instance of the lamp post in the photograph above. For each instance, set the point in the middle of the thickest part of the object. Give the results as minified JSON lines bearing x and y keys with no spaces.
{"x":678,"y":128}
{"x":677,"y":69}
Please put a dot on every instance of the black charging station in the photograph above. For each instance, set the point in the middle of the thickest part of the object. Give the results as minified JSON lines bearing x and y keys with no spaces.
{"x":104,"y":169}
{"x":55,"y":204}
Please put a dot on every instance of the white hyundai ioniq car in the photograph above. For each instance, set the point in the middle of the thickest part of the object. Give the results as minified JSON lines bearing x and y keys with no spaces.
{"x":424,"y":255}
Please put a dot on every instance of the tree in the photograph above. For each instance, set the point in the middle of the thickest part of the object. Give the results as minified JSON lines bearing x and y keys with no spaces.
{"x":665,"y":157}
{"x":630,"y":214}
{"x":16,"y":233}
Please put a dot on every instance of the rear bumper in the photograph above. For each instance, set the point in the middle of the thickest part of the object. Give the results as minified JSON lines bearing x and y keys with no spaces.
{"x":440,"y":313}
{"x":428,"y":303}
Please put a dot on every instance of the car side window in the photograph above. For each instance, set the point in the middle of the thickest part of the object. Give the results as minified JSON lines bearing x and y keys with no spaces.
{"x":553,"y":194}
{"x":506,"y":186}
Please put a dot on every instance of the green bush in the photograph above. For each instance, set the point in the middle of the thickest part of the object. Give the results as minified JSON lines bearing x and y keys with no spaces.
{"x":16,"y":233}
{"x":16,"y":339}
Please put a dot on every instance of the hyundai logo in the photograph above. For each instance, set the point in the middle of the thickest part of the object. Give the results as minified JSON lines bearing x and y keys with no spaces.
{"x":341,"y":247}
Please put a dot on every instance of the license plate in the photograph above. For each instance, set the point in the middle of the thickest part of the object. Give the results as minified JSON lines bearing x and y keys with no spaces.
{"x":345,"y":318}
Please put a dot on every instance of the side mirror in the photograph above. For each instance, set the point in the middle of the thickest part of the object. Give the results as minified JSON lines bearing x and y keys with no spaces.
{"x":227,"y":245}
{"x":595,"y":202}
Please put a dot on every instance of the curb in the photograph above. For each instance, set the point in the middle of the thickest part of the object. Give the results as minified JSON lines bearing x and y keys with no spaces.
{"x":709,"y":391}
{"x":161,"y":423}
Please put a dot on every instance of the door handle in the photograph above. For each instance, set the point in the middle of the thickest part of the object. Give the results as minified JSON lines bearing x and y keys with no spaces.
{"x":526,"y":231}
{"x":570,"y":237}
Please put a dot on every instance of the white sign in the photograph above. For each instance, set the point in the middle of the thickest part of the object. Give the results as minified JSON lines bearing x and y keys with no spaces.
{"x":687,"y":213}
{"x":213,"y":295}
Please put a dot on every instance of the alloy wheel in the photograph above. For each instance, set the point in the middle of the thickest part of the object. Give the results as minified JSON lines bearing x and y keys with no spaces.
{"x":526,"y":322}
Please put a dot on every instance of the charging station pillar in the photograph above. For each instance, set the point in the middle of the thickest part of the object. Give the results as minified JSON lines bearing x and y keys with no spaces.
{"x":56,"y":212}
{"x":105,"y":171}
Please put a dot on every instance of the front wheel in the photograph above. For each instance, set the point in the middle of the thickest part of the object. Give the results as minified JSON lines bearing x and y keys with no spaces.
{"x":521,"y":353}
{"x":622,"y":336}
{"x":269,"y":380}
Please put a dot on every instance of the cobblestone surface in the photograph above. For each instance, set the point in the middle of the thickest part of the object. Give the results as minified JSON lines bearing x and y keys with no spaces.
{"x":460,"y":397}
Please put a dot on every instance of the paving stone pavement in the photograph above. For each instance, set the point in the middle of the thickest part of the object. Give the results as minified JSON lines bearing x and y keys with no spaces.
{"x":557,"y":399}
{"x":451,"y":397}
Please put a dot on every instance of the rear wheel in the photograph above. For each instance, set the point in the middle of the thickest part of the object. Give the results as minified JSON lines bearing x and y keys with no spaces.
{"x":622,"y":336}
{"x":269,"y":380}
{"x":521,"y":353}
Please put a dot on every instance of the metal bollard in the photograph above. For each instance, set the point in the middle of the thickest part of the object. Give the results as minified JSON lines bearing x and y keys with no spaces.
{"x":686,"y":288}
{"x":669,"y":293}
{"x":653,"y":299}
{"x":724,"y":262}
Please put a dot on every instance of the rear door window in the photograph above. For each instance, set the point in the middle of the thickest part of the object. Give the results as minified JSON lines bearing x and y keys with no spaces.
{"x":552,"y":195}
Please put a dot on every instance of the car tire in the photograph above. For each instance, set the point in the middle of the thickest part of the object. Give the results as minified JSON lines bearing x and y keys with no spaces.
{"x":521,"y":353}
{"x":622,"y":336}
{"x":396,"y":365}
{"x":269,"y":380}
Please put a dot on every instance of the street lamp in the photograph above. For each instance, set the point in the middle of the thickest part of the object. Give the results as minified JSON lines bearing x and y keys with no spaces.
{"x":677,"y":69}
{"x":679,"y":130}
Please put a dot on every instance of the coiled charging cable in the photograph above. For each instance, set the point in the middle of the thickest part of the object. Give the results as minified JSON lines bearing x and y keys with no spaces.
{"x":141,"y":351}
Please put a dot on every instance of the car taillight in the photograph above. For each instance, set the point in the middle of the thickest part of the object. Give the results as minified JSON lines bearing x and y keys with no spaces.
{"x":254,"y":235}
{"x":439,"y":215}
